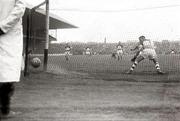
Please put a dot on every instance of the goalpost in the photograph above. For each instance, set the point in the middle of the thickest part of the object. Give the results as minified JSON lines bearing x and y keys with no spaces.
{"x":29,"y":32}
{"x":47,"y":37}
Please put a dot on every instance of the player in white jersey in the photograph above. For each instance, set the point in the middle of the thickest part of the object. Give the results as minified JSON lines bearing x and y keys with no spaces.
{"x":172,"y":51}
{"x":67,"y":51}
{"x":147,"y":52}
{"x":119,"y":51}
{"x":88,"y":51}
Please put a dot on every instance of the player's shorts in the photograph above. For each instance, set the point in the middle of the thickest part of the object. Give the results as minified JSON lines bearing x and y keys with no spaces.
{"x":67,"y":53}
{"x":88,"y":53}
{"x":119,"y":52}
{"x":67,"y":49}
{"x":148,"y":54}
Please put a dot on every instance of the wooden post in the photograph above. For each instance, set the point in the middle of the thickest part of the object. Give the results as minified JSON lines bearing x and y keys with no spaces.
{"x":47,"y":36}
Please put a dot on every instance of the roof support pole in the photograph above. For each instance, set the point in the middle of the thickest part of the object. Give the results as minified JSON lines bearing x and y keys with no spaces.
{"x":39,"y":5}
{"x":47,"y":37}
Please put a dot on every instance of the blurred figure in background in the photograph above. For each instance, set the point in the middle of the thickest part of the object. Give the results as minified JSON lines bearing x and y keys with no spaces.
{"x":67,"y":51}
{"x":119,"y":50}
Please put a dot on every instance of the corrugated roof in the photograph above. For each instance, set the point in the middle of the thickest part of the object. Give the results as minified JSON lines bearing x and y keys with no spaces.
{"x":56,"y":22}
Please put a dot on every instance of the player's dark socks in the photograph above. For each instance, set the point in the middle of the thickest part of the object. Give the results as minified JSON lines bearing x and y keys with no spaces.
{"x":1,"y":32}
{"x":133,"y":59}
{"x":133,"y":67}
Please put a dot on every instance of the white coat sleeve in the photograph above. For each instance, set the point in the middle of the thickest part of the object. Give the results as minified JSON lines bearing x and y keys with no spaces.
{"x":14,"y":17}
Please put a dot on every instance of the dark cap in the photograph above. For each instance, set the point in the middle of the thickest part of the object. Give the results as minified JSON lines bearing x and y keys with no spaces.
{"x":142,"y":37}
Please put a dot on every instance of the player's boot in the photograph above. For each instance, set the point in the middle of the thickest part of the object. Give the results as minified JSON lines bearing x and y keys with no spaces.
{"x":129,"y":72}
{"x":160,"y":72}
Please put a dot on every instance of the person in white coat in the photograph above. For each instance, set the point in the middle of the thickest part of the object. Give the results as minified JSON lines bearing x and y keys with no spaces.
{"x":11,"y":46}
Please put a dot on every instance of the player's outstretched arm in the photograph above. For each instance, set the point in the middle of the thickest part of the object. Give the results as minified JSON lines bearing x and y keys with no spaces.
{"x":133,"y":49}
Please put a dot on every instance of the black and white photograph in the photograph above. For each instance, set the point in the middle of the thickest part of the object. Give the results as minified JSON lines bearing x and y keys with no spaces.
{"x":89,"y":60}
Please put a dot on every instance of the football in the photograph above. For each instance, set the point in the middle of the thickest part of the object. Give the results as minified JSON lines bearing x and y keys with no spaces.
{"x":35,"y":62}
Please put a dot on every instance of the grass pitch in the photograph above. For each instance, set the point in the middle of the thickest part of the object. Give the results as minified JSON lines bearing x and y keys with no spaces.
{"x":96,"y":88}
{"x":104,"y":66}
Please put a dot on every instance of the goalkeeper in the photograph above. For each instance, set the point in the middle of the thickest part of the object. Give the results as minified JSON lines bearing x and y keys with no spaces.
{"x":147,"y":52}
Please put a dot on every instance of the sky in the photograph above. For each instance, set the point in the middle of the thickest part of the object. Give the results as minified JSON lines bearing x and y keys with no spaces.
{"x":117,"y":20}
